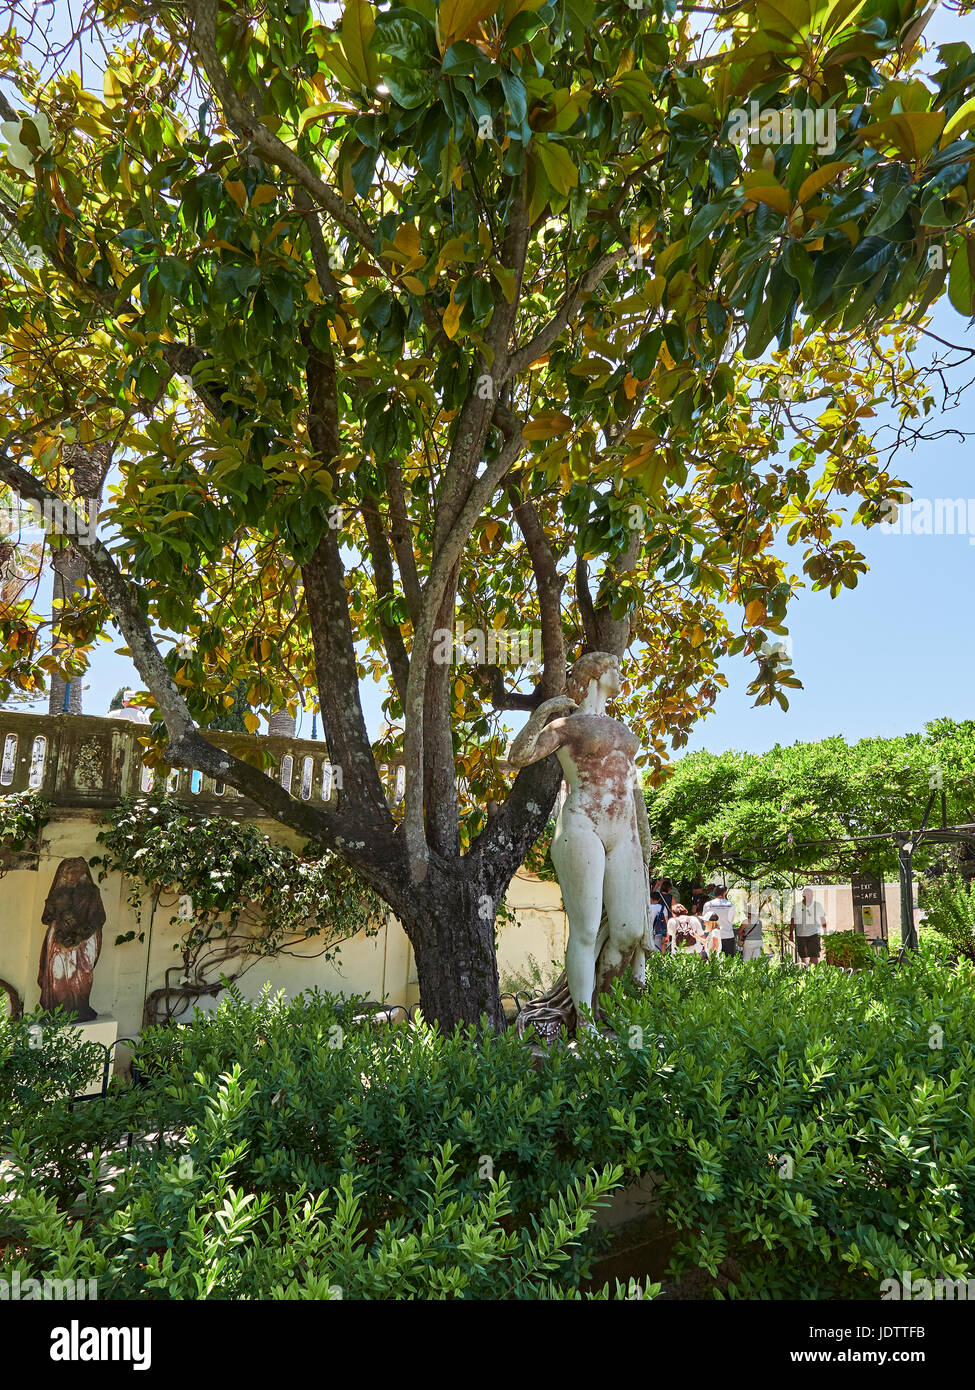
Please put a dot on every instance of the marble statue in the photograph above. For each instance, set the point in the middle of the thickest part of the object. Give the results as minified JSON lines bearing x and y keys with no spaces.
{"x":74,"y":916}
{"x":601,"y":846}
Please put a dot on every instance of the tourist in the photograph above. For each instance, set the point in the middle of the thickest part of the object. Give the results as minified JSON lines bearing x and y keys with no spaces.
{"x":687,"y":934}
{"x":719,"y":907}
{"x":807,"y":925}
{"x":658,"y":919}
{"x":136,"y":714}
{"x":750,"y":935}
{"x":665,"y":889}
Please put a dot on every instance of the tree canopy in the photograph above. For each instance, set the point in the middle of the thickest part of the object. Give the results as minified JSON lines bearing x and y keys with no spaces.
{"x":528,"y":317}
{"x":751,"y":815}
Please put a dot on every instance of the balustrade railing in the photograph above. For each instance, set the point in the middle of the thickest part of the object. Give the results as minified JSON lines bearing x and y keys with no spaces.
{"x":83,"y":760}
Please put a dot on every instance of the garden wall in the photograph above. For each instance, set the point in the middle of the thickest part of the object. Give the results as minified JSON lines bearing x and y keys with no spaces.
{"x":83,"y":765}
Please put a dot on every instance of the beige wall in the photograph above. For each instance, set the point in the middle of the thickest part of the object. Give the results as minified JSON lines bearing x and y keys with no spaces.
{"x":380,"y":966}
{"x":837,"y":902}
{"x":377,"y":966}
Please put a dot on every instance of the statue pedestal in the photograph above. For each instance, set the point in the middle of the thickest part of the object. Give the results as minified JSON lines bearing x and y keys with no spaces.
{"x":103,"y":1030}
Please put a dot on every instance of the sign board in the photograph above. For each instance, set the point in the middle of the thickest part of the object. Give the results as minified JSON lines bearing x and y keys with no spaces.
{"x":868,"y":890}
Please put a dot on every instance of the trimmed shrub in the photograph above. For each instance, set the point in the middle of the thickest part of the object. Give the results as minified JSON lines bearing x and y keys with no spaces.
{"x":812,"y":1133}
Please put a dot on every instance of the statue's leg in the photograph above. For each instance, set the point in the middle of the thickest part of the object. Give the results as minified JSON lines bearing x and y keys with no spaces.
{"x":579,"y":860}
{"x":624,"y":895}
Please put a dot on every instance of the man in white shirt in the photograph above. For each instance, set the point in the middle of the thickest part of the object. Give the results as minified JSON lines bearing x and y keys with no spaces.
{"x":807,"y":925}
{"x":136,"y":714}
{"x":720,"y":907}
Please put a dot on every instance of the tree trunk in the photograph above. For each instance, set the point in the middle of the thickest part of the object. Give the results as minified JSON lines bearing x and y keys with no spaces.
{"x":450,"y":923}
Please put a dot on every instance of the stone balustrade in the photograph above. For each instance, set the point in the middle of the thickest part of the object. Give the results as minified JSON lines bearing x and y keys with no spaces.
{"x":83,"y":760}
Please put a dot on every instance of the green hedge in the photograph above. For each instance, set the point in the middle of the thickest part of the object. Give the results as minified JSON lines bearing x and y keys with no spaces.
{"x":813,"y":1133}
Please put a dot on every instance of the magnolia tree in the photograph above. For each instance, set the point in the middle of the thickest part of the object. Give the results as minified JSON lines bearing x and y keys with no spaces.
{"x":439,"y":344}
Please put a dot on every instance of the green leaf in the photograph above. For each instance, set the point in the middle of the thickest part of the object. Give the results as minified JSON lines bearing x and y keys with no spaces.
{"x":410,"y":89}
{"x":869,"y":256}
{"x":557,"y":163}
{"x":516,"y":97}
{"x":724,"y":166}
{"x":961,"y":278}
{"x":358,"y":26}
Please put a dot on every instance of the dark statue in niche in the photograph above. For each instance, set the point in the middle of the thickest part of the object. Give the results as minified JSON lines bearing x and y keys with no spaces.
{"x":74,"y":916}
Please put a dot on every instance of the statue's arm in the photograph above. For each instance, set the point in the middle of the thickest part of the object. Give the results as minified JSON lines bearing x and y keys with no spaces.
{"x":536,"y":740}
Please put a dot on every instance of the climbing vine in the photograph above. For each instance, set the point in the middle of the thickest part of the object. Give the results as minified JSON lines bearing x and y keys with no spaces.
{"x":23,"y":816}
{"x":236,"y":894}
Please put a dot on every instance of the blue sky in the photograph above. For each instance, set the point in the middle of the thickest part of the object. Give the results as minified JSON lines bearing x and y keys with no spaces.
{"x":880,"y":659}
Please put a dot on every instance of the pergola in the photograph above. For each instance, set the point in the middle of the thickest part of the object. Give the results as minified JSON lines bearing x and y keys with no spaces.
{"x":907,"y":842}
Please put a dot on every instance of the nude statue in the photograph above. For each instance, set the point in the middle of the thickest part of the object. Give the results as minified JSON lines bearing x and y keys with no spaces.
{"x":601,"y":846}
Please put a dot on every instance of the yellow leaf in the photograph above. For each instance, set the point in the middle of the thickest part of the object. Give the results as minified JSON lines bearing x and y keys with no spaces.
{"x":507,"y":279}
{"x":407,"y":240}
{"x":773,"y":195}
{"x":819,"y":179}
{"x":263,"y":193}
{"x":456,"y":19}
{"x":652,"y":478}
{"x":414,"y":285}
{"x":755,"y":612}
{"x":668,"y":255}
{"x":453,"y":250}
{"x":911,"y":133}
{"x":451,"y":318}
{"x":251,"y":722}
{"x":112,"y":88}
{"x":238,"y":192}
{"x":358,"y":27}
{"x":546,"y":425}
{"x":313,"y":114}
{"x":961,"y":121}
{"x":336,"y":62}
{"x":516,"y":7}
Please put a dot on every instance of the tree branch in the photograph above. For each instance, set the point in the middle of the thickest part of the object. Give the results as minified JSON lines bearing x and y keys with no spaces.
{"x":444,"y":563}
{"x":399,"y":662}
{"x":402,"y":538}
{"x":203,"y":32}
{"x":569,"y":306}
{"x":187,"y":746}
